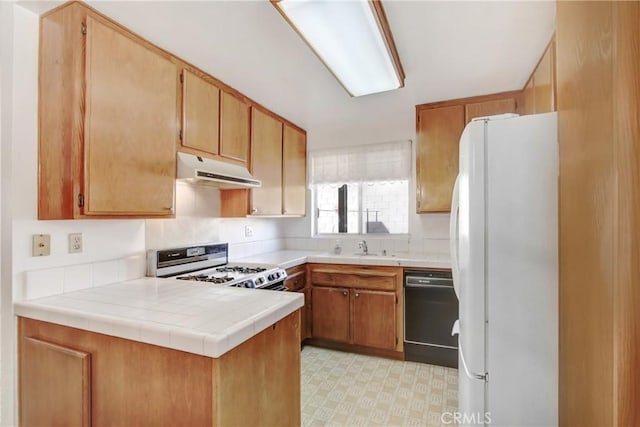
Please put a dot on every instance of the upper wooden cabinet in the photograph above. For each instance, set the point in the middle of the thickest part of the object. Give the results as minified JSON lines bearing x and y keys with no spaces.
{"x":526,"y":105}
{"x":439,"y":131}
{"x":266,"y":163}
{"x":294,"y":175}
{"x":539,"y":94}
{"x":113,"y":112}
{"x":281,"y":166}
{"x":489,"y":108}
{"x":439,"y":127}
{"x":107,"y":132}
{"x":234,"y":128}
{"x":200,"y":112}
{"x":544,"y":82}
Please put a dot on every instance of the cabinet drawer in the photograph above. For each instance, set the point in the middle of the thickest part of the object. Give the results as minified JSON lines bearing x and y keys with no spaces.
{"x":357,"y":278}
{"x":295,"y":281}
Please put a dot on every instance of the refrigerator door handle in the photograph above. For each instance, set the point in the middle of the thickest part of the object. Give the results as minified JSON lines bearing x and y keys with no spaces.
{"x":456,"y":331}
{"x":453,"y":238}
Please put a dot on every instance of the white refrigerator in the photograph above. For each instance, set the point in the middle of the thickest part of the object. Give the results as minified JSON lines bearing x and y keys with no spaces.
{"x":504,"y":238}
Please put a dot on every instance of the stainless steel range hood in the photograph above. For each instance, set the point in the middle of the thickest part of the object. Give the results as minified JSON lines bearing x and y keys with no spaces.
{"x":202,"y":170}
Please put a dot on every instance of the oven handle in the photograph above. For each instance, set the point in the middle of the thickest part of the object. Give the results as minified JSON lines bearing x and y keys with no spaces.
{"x":415,"y":285}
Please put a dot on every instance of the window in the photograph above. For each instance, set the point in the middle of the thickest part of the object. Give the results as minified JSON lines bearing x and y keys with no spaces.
{"x":362,"y":190}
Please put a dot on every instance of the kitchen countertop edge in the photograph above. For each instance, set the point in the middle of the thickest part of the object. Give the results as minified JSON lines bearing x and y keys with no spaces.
{"x":183,"y":338}
{"x":290,"y":258}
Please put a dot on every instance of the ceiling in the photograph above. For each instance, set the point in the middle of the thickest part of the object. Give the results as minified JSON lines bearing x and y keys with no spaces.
{"x":448,"y":49}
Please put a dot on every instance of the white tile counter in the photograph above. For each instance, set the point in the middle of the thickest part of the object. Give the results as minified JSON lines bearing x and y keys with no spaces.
{"x":188,"y":316}
{"x":288,"y":259}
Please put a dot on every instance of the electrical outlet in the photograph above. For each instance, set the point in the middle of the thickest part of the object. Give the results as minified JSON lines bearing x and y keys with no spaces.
{"x":41,"y":244}
{"x":248,"y":231}
{"x":75,"y":243}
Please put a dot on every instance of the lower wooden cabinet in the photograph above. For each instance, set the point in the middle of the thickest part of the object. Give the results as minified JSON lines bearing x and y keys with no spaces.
{"x":55,"y":384}
{"x":72,"y":377}
{"x":330,"y":314}
{"x":358,"y":306}
{"x":355,"y":316}
{"x":374,"y":318}
{"x":296,"y":281}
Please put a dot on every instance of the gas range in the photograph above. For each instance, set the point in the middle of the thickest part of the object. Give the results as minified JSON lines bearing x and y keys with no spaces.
{"x":208,"y":264}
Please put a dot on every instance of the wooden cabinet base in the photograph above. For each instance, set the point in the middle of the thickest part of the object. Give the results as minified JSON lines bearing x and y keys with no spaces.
{"x":133,"y":383}
{"x":333,"y":345}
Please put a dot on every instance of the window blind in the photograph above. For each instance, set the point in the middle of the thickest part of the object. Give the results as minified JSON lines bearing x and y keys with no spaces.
{"x":387,"y":161}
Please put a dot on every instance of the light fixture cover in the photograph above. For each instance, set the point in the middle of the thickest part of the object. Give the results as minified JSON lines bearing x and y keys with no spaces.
{"x":351,"y":38}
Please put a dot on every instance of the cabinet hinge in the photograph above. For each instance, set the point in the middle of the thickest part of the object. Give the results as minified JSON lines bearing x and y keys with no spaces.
{"x":80,"y":200}
{"x":180,"y":134}
{"x":83,"y":28}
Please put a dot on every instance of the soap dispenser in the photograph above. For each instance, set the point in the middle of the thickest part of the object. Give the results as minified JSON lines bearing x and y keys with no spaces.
{"x":337,"y":249}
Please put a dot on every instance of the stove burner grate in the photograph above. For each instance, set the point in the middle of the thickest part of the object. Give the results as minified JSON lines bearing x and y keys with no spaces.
{"x":206,"y":278}
{"x":240,"y":269}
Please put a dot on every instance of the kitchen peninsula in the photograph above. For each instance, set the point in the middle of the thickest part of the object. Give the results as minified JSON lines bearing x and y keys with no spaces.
{"x":158,"y":352}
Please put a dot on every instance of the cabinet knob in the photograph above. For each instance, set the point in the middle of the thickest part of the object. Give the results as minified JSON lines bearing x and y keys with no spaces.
{"x":357,"y":295}
{"x":344,"y":293}
{"x":254,"y":210}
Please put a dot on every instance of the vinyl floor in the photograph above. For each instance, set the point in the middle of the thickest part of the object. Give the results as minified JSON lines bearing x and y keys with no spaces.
{"x":346,"y":389}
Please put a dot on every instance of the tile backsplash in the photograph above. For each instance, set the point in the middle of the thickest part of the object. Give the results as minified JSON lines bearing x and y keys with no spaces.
{"x":54,"y":281}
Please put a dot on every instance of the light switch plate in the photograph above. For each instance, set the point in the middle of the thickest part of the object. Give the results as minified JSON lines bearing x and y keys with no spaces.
{"x":248,"y":231}
{"x":75,"y":243}
{"x":41,"y":244}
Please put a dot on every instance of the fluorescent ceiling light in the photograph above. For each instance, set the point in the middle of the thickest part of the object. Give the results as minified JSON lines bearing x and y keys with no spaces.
{"x":352,"y":38}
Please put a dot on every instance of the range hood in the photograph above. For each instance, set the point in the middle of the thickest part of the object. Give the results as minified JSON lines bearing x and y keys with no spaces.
{"x":219,"y":174}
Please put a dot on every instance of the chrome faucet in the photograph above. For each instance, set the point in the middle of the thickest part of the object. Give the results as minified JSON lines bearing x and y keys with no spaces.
{"x":363,"y":245}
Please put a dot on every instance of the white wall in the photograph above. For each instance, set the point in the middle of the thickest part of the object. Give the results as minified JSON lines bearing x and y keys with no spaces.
{"x":7,"y":335}
{"x":197,"y":212}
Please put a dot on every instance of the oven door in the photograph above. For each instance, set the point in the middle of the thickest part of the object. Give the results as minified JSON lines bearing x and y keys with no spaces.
{"x":276,"y":286}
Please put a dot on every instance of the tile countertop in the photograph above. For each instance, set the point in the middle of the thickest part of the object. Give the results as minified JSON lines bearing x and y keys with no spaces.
{"x":288,"y":259}
{"x":187,"y":316}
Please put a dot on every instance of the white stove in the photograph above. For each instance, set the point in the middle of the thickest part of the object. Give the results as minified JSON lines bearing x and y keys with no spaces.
{"x":208,"y":264}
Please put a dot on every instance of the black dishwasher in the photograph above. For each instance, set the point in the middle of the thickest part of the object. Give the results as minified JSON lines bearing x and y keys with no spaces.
{"x":430,"y":309}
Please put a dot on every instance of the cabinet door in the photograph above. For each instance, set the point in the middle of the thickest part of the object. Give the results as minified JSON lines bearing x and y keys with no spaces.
{"x":266,"y":163}
{"x":374,"y":318}
{"x":330,"y":314}
{"x":200,"y":113}
{"x":489,"y":108}
{"x":55,"y":385}
{"x":527,"y":104}
{"x":294,"y":181}
{"x":234,"y":128}
{"x":130,"y":125}
{"x":439,"y":131}
{"x":544,"y":81}
{"x":304,"y":315}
